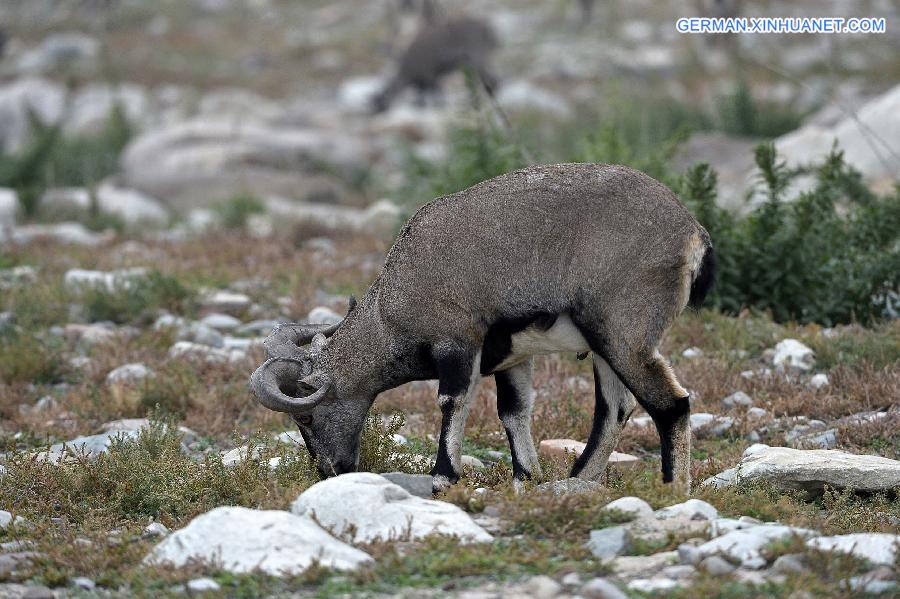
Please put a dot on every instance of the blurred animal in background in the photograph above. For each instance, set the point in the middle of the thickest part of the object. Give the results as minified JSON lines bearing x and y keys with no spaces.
{"x":587,"y":10}
{"x":441,"y":47}
{"x":720,"y":9}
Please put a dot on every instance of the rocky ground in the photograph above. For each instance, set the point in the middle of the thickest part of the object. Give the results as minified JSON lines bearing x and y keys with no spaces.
{"x":795,"y":451}
{"x":217,"y":170}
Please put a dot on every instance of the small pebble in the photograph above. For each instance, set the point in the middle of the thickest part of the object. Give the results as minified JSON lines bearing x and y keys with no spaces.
{"x":203,"y":585}
{"x":716,"y":566}
{"x":84,"y":583}
{"x":600,"y":588}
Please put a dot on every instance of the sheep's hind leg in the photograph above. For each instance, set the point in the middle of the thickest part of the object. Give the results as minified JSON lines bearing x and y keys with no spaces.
{"x":515,"y":400}
{"x":613,"y":406}
{"x":458,"y":376}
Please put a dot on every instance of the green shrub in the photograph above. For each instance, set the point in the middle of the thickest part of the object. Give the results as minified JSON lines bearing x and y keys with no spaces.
{"x":50,"y":159}
{"x":26,"y":358}
{"x":641,"y":134}
{"x":803,"y":260}
{"x":235,"y":211}
{"x":151,"y":476}
{"x":138,"y":299}
{"x":379,"y":452}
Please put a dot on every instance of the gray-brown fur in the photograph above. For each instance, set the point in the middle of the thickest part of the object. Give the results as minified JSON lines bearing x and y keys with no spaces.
{"x":606,"y":247}
{"x":440,"y":48}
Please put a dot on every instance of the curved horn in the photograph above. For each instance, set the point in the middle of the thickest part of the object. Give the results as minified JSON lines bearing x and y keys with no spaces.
{"x":277,"y":375}
{"x":287,"y":340}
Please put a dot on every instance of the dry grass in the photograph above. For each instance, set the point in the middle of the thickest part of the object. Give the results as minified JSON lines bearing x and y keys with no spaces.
{"x":121,"y":491}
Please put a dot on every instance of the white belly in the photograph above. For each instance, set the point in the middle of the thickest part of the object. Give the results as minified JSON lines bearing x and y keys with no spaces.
{"x":563,"y":336}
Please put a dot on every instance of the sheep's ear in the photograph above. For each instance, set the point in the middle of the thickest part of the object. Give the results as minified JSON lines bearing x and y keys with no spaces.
{"x":317,"y":343}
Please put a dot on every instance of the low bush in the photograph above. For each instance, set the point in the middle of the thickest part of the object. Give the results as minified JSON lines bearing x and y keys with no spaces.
{"x":235,"y":211}
{"x":50,"y":159}
{"x":138,"y":299}
{"x":831,"y":255}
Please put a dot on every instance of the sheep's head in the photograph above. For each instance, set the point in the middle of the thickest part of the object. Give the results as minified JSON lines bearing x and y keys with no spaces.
{"x":291,"y":381}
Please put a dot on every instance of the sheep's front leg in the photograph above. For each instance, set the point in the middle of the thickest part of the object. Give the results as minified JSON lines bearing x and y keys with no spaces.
{"x":458,"y":376}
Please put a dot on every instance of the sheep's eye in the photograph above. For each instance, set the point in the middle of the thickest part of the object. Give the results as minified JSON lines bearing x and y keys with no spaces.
{"x":304,"y":420}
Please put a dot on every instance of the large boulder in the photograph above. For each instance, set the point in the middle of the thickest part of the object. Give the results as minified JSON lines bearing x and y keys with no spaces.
{"x":370,"y":507}
{"x":745,"y":546}
{"x":810,"y":470}
{"x":243,"y":540}
{"x":878,"y":548}
{"x":206,"y":160}
{"x":382,"y":217}
{"x":869,"y":139}
{"x":44,"y":98}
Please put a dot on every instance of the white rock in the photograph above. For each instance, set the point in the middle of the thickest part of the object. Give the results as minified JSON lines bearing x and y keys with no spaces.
{"x":323,"y":315}
{"x":641,"y":421}
{"x":738,"y":398}
{"x":810,"y":470}
{"x":878,"y":548}
{"x":357,"y":93}
{"x":220,"y":322}
{"x":790,"y":354}
{"x":76,"y":278}
{"x":66,"y":233}
{"x":226,"y":301}
{"x":91,"y":446}
{"x":156,"y":529}
{"x":756,"y":413}
{"x":190,"y":350}
{"x":853,"y":134}
{"x":45,"y":98}
{"x":291,"y":438}
{"x":128,"y":374}
{"x":203,"y":585}
{"x":243,"y":540}
{"x":692,"y":509}
{"x":135,"y":425}
{"x":9,"y":207}
{"x":600,"y":588}
{"x":819,"y":380}
{"x":374,"y":508}
{"x":201,"y":161}
{"x":380,"y":218}
{"x":239,"y":104}
{"x":755,"y":448}
{"x":652,"y":585}
{"x":6,"y":519}
{"x":692,"y":352}
{"x":710,"y":424}
{"x":524,"y":95}
{"x":472,"y":462}
{"x":607,"y":543}
{"x":631,"y":505}
{"x":132,"y":206}
{"x":744,"y":546}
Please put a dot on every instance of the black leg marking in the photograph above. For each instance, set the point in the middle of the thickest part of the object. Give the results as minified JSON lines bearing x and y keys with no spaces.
{"x":458,"y":375}
{"x":443,"y":465}
{"x":669,"y":421}
{"x":515,"y":398}
{"x":601,"y":413}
